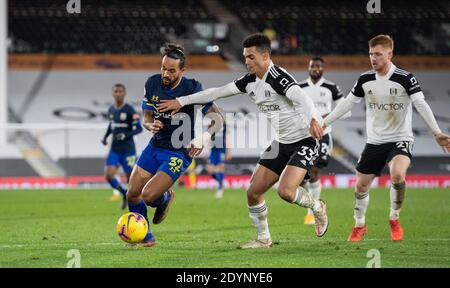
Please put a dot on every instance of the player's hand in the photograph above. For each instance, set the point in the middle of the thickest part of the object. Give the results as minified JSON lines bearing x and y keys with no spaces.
{"x":444,"y":141}
{"x":155,"y":126}
{"x":169,"y":105}
{"x":194,"y":151}
{"x":228,"y":157}
{"x":104,"y":141}
{"x":120,"y":136}
{"x":315,"y":129}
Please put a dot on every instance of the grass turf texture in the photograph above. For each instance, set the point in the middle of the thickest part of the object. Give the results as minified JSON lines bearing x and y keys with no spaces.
{"x":39,"y":227}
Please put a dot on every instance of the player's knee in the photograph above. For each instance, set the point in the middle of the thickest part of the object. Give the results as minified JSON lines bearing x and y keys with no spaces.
{"x":362,"y":187}
{"x":133,"y":193}
{"x":253,"y":195}
{"x":286,"y":192}
{"x":397,"y":178}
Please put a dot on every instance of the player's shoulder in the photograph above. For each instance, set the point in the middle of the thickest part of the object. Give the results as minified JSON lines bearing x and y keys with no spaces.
{"x":329,"y":84}
{"x":279,"y":72}
{"x":367,"y":76}
{"x":400,"y":75}
{"x":129,"y":107}
{"x":406,"y":79}
{"x":191,"y":82}
{"x":247,"y":78}
{"x":190,"y":85}
{"x":280,"y":79}
{"x":153,"y":80}
{"x":303,"y":83}
{"x":402,"y":72}
{"x":243,"y":81}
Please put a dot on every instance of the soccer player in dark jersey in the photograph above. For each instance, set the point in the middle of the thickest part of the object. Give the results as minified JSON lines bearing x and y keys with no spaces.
{"x":172,"y":146}
{"x":123,"y":125}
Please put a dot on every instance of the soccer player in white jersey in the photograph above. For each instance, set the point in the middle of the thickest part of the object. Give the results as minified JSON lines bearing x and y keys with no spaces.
{"x":297,"y":125}
{"x":389,"y":92}
{"x":324,"y":94}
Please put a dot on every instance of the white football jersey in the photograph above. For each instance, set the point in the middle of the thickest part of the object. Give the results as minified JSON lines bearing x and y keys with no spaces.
{"x":324,"y":93}
{"x":290,"y":122}
{"x":388,"y":104}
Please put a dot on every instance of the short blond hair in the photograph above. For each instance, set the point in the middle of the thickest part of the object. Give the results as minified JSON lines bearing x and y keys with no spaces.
{"x":383,"y":40}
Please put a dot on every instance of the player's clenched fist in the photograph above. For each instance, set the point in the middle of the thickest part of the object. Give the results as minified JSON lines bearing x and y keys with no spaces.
{"x":444,"y":141}
{"x":155,"y":126}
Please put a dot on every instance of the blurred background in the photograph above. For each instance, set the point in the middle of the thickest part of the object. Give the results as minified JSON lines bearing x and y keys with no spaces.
{"x":58,"y":69}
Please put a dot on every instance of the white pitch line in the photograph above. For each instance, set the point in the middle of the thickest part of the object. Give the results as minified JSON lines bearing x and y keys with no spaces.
{"x":186,"y":242}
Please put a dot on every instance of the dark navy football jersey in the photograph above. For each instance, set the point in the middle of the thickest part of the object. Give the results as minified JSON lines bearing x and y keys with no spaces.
{"x":155,"y":91}
{"x":123,"y":125}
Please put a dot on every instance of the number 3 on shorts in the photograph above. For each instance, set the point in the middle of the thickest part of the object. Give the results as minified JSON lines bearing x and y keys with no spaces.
{"x":175,"y":164}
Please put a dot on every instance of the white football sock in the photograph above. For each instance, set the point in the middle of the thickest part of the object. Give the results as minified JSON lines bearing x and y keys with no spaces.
{"x":304,"y":198}
{"x":258,"y":215}
{"x":314,"y":189}
{"x":397,"y":194}
{"x":361,"y":204}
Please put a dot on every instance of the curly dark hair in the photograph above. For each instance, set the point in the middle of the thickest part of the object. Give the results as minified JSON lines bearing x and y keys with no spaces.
{"x":175,"y":51}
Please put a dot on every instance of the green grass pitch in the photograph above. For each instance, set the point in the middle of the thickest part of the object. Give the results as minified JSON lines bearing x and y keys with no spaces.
{"x":39,"y":227}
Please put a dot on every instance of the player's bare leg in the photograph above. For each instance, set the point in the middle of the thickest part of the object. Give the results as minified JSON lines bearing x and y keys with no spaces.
{"x":397,"y":169}
{"x":261,"y":181}
{"x":363,"y":183}
{"x":290,"y":191}
{"x":138,"y":179}
{"x":313,"y":186}
{"x":156,"y":193}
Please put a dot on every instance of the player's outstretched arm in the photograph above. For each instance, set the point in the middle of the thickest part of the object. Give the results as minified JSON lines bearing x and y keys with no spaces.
{"x":343,"y":107}
{"x":346,"y":115}
{"x":427,"y":115}
{"x":201,"y":97}
{"x":217,"y":120}
{"x":299,"y":96}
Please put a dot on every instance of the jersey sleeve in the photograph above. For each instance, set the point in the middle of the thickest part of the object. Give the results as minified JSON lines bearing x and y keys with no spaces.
{"x":134,"y":116}
{"x":280,"y":80}
{"x":147,"y":101}
{"x":242,"y":82}
{"x":357,"y":89}
{"x":336,"y":93}
{"x":411,"y":85}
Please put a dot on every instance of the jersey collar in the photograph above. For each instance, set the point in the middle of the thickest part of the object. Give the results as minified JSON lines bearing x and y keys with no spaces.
{"x":171,"y":89}
{"x":388,"y":74}
{"x":118,"y":108}
{"x":267,"y":72}
{"x":310,"y":83}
